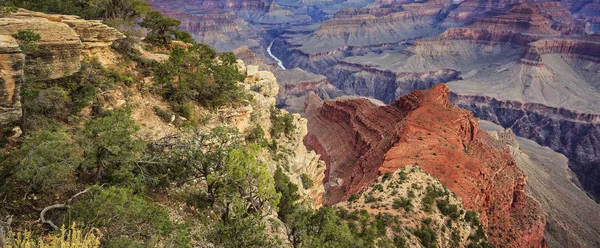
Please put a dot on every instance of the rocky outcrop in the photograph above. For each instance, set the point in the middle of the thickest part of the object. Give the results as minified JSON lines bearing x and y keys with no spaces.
{"x":412,"y":184}
{"x":60,"y":48}
{"x":64,"y":41}
{"x":360,"y":141}
{"x":12,"y":62}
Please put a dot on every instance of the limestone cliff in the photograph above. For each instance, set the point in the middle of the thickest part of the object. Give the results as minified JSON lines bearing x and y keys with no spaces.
{"x":11,"y":73}
{"x":65,"y":41}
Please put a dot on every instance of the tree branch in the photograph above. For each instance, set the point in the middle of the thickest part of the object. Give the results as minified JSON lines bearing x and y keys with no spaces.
{"x":48,"y":208}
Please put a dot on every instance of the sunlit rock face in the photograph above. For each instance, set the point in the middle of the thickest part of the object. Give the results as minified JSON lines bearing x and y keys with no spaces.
{"x":360,"y":141}
{"x":64,"y":42}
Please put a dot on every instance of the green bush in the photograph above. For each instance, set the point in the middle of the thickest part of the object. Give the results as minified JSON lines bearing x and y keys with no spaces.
{"x":194,"y":74}
{"x":386,"y":176}
{"x":110,"y":149}
{"x":123,"y":214}
{"x":289,"y":193}
{"x":281,"y":123}
{"x":27,"y":41}
{"x":307,"y":182}
{"x":44,"y":161}
{"x":402,"y":202}
{"x":427,"y":236}
{"x":161,"y":29}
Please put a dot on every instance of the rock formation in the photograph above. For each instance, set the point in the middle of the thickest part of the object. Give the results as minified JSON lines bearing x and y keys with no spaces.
{"x":359,"y":141}
{"x":12,"y":62}
{"x":65,"y":41}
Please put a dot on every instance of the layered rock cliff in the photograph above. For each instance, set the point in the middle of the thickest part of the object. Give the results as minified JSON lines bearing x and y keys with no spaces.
{"x":12,"y":62}
{"x":360,"y":141}
{"x":65,"y":41}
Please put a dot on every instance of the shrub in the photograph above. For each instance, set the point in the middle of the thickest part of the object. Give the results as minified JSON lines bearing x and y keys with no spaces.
{"x":281,"y":123}
{"x":386,"y":176}
{"x":121,"y":213}
{"x":307,"y":182}
{"x":110,"y":149}
{"x":288,"y":191}
{"x":164,"y":115}
{"x":402,"y":202}
{"x":194,"y":74}
{"x":353,"y":198}
{"x":27,"y":40}
{"x":45,"y":159}
{"x":71,"y":237}
{"x":162,"y":30}
{"x":427,"y":236}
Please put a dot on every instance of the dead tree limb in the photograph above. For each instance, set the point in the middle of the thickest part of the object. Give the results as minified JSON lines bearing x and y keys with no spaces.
{"x":43,"y":219}
{"x":48,"y":208}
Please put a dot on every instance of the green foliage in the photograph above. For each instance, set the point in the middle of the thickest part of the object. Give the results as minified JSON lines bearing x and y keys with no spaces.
{"x":386,"y":176}
{"x":471,"y":216}
{"x":402,"y":202}
{"x":161,"y":29}
{"x":243,"y":177}
{"x":110,"y":149}
{"x":307,"y":182}
{"x":281,"y":123}
{"x":448,"y":209}
{"x":196,"y":75}
{"x":7,"y":8}
{"x":44,"y":161}
{"x":248,"y":231}
{"x":27,"y":41}
{"x":322,"y":228}
{"x":53,"y":102}
{"x":399,"y":241}
{"x":163,"y":114}
{"x":256,"y":135}
{"x":353,"y":198}
{"x":429,"y":198}
{"x":427,"y":236}
{"x":123,"y":214}
{"x":378,"y":187}
{"x":288,"y":190}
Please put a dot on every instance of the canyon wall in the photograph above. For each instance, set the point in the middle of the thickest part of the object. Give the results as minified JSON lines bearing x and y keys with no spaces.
{"x":360,"y":141}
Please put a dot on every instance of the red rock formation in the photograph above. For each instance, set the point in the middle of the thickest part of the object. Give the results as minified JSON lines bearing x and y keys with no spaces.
{"x":362,"y":141}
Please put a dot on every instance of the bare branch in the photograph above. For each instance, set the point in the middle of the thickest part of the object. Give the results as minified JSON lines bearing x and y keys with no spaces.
{"x":48,"y":208}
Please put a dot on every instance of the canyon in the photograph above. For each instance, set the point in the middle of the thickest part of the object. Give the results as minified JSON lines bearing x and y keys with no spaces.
{"x":497,"y":101}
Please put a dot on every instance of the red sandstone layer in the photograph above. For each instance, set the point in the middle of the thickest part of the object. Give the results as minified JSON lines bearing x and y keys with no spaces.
{"x":361,"y":141}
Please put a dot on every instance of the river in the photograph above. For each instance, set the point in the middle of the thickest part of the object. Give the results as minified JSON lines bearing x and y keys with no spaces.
{"x":279,"y":62}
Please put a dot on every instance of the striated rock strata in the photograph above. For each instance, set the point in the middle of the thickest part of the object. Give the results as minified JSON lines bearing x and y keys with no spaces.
{"x":64,"y":41}
{"x":12,"y":62}
{"x":359,"y":141}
